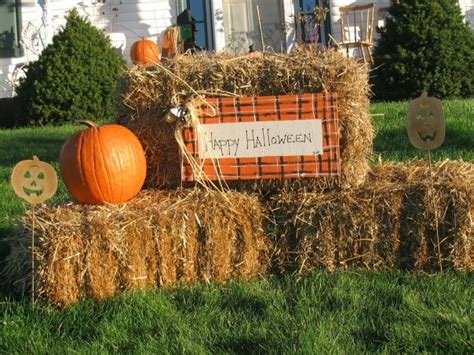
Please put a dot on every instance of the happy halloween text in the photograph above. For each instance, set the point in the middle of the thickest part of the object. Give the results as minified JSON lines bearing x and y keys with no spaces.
{"x":259,"y":139}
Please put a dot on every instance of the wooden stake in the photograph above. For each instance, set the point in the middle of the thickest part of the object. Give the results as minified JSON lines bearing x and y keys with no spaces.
{"x":432,"y":190}
{"x":49,"y":184}
{"x":260,"y":28}
{"x":33,"y":256}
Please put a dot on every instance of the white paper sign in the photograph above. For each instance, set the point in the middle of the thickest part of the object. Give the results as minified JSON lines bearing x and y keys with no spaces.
{"x":260,"y":139}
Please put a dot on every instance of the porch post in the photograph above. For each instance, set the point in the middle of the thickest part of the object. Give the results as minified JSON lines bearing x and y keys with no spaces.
{"x":217,"y":18}
{"x":289,"y":11}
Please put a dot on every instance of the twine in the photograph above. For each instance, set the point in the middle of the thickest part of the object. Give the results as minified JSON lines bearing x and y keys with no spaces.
{"x":194,"y":108}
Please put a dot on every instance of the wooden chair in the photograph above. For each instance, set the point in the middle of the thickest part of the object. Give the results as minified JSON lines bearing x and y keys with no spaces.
{"x":357,"y":29}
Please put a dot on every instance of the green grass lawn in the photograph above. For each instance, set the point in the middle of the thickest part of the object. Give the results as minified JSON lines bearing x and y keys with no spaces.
{"x":391,"y":142}
{"x":358,"y":311}
{"x":343,"y":312}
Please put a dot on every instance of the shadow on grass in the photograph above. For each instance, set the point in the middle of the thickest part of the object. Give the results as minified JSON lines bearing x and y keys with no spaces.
{"x":22,"y":146}
{"x":241,"y":344}
{"x":372,"y":339}
{"x":5,"y":289}
{"x":394,"y":142}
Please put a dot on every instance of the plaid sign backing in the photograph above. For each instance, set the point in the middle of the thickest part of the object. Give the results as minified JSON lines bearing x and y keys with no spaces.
{"x":269,"y":108}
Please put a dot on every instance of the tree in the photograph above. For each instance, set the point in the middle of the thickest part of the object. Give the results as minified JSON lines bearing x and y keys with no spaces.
{"x":424,"y":45}
{"x":75,"y":77}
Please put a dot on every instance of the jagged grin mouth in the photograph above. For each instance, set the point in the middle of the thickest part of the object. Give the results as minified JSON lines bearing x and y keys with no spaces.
{"x":30,"y":192}
{"x":427,"y":137}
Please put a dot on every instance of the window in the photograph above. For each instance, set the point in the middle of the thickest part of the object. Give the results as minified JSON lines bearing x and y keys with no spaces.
{"x":308,"y":6}
{"x":10,"y":28}
{"x":200,"y":13}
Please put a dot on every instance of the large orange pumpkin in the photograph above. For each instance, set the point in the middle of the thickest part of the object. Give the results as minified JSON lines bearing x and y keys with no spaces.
{"x":103,"y":164}
{"x":145,"y":51}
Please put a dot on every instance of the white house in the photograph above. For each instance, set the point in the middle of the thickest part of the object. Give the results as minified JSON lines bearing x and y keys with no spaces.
{"x":27,"y":26}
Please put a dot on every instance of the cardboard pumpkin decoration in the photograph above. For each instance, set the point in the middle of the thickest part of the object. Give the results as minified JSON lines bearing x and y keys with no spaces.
{"x":426,"y":125}
{"x":145,"y":51}
{"x":34,"y":181}
{"x":103,"y":164}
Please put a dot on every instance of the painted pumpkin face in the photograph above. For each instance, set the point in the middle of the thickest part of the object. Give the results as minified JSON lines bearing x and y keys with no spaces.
{"x":426,"y":125}
{"x":34,"y":181}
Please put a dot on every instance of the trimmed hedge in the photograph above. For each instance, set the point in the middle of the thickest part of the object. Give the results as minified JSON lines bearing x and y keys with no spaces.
{"x":425,"y":45}
{"x":75,"y":77}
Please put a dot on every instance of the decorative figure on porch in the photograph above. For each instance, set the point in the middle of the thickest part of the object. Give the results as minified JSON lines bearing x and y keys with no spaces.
{"x":187,"y":31}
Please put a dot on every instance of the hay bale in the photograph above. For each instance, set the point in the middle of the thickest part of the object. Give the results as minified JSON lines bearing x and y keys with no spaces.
{"x":150,"y":93}
{"x":389,"y":222}
{"x":159,"y":239}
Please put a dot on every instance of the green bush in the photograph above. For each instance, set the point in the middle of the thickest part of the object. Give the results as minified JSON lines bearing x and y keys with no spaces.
{"x":75,"y":77}
{"x":425,"y":45}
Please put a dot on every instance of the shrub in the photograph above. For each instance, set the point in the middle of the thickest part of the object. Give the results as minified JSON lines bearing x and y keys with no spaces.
{"x":75,"y":77}
{"x":425,"y":45}
{"x":11,"y":113}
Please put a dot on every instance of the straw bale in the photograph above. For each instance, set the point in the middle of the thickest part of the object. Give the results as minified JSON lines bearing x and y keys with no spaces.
{"x":150,"y":92}
{"x":389,"y":222}
{"x":159,"y":239}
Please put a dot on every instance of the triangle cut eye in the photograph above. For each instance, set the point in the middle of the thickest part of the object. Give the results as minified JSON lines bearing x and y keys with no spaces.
{"x":41,"y":176}
{"x":27,"y":174}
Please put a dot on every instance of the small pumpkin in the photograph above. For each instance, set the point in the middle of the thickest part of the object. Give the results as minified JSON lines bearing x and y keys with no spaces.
{"x":145,"y":51}
{"x":103,"y":164}
{"x":426,"y":125}
{"x":34,"y":181}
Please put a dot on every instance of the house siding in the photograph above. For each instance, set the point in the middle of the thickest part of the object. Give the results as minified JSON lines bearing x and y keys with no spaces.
{"x":135,"y":19}
{"x":467,"y":8}
{"x":336,"y":17}
{"x":148,"y":19}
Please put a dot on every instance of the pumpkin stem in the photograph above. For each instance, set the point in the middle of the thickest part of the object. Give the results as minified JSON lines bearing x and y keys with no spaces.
{"x":424,"y":94}
{"x":88,"y":123}
{"x":35,"y":158}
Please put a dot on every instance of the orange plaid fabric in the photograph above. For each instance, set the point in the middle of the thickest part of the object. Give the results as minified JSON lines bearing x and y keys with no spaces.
{"x":269,"y":108}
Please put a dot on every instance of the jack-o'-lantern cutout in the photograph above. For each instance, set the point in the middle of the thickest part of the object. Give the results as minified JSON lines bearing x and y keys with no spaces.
{"x":426,"y":125}
{"x":34,"y":181}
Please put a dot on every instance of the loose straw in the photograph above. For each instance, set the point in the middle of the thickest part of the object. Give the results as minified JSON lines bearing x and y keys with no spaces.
{"x":260,"y":28}
{"x":33,"y":255}
{"x":199,"y":175}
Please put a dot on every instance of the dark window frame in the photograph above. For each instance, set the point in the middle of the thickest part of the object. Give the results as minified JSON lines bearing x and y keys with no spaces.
{"x":16,"y":50}
{"x":206,"y":21}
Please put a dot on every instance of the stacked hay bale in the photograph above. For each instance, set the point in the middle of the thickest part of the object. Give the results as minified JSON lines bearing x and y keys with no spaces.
{"x":389,"y":222}
{"x":158,"y":239}
{"x":152,"y":91}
